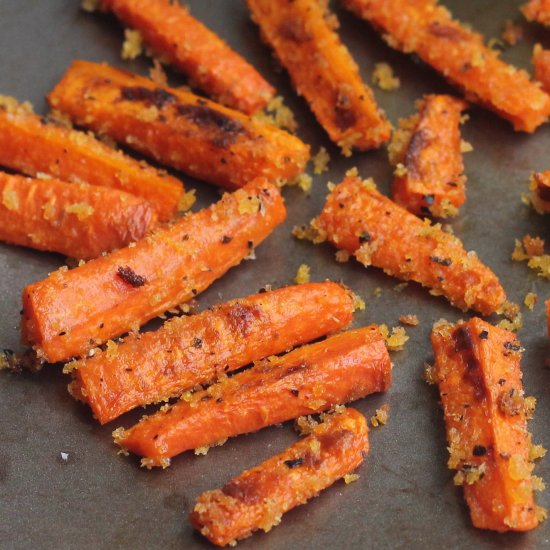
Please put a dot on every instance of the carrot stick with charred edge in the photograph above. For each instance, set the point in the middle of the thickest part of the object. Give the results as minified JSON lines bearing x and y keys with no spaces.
{"x":537,"y":10}
{"x":174,"y":34}
{"x":322,"y":70}
{"x":193,"y":350}
{"x":178,"y":128}
{"x":477,"y":367}
{"x":34,"y":145}
{"x":541,"y":62}
{"x":70,"y":312}
{"x":358,"y":219}
{"x":258,"y":497}
{"x":458,"y":53}
{"x":540,"y":186}
{"x":429,"y":178}
{"x":308,"y":380}
{"x":77,"y":220}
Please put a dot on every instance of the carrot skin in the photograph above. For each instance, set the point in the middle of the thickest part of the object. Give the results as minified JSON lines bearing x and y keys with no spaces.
{"x":322,"y":70}
{"x":32,"y":145}
{"x":78,"y":220}
{"x":357,"y":218}
{"x":541,"y":63}
{"x":258,"y":497}
{"x":308,"y":380}
{"x":70,"y":312}
{"x":538,"y":11}
{"x":427,"y":29}
{"x":178,"y":128}
{"x":188,"y":351}
{"x":434,"y":181}
{"x":479,"y":377}
{"x":173,"y":33}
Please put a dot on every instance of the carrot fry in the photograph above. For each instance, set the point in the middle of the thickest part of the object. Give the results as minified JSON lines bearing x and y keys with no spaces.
{"x":478,"y":371}
{"x":258,"y":497}
{"x":70,"y":312}
{"x":178,"y":128}
{"x":35,"y":146}
{"x":540,"y":186}
{"x":308,"y":380}
{"x":429,"y":178}
{"x":358,"y":219}
{"x":458,"y":53}
{"x":77,"y":220}
{"x":537,"y":10}
{"x":175,"y":35}
{"x":541,"y":62}
{"x":188,"y":351}
{"x":322,"y":70}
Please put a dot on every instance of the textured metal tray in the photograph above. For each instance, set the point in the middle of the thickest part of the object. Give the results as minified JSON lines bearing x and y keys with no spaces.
{"x":405,"y":497}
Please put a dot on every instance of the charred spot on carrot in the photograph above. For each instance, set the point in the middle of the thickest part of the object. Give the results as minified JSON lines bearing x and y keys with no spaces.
{"x":128,"y":275}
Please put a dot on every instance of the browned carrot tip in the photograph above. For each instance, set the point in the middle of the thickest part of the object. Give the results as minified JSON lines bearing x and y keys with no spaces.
{"x":537,"y":10}
{"x":35,"y":146}
{"x":188,"y":351}
{"x":478,"y":371}
{"x":378,"y":232}
{"x":71,"y":312}
{"x":175,"y":35}
{"x":77,"y":220}
{"x":540,"y":185}
{"x":258,"y":497}
{"x":308,"y":380}
{"x":458,"y":53}
{"x":541,"y":62}
{"x":303,"y":35}
{"x":427,"y":151}
{"x":178,"y":128}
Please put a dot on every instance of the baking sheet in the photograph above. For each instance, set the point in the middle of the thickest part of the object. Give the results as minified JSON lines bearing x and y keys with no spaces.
{"x":405,"y":497}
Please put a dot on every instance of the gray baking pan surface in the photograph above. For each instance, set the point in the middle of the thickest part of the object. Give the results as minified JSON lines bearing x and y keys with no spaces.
{"x":405,"y":497}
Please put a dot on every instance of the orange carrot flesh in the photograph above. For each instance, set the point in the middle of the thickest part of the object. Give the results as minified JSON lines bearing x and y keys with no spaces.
{"x":173,"y":33}
{"x":458,"y":53}
{"x":188,"y":351}
{"x":32,"y":145}
{"x":70,"y":312}
{"x":537,"y":10}
{"x":178,"y":128}
{"x":322,"y":70}
{"x":358,"y":219}
{"x":308,"y":380}
{"x":541,"y":63}
{"x":258,"y":497}
{"x":77,"y":220}
{"x":478,"y":371}
{"x":430,"y":158}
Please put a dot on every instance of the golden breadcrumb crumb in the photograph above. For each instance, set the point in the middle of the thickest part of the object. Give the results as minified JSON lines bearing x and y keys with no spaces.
{"x":530,"y":300}
{"x":350,"y":478}
{"x":342,"y":256}
{"x":302,"y":275}
{"x":532,"y":250}
{"x":277,"y":114}
{"x":430,"y":374}
{"x":411,"y":320}
{"x":320,"y":161}
{"x":381,"y":416}
{"x":81,"y":210}
{"x":384,"y":78}
{"x":132,"y":46}
{"x":396,"y":340}
{"x":157,"y":74}
{"x":511,"y":33}
{"x":187,"y":200}
{"x":90,"y":5}
{"x":465,"y":146}
{"x":358,"y":302}
{"x":10,"y":199}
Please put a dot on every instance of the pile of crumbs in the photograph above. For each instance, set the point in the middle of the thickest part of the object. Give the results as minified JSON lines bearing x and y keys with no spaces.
{"x":384,"y":78}
{"x":513,"y":321}
{"x":396,"y":340}
{"x":532,"y":250}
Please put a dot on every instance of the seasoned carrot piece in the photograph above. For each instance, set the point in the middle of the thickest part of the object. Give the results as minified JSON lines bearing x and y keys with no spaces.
{"x":322,"y":70}
{"x":541,"y":62}
{"x":35,"y":146}
{"x":308,"y":380}
{"x":429,"y":178}
{"x":358,"y":219}
{"x":175,"y":35}
{"x":540,"y":186}
{"x":537,"y":10}
{"x":188,"y":351}
{"x":258,"y":497}
{"x":178,"y":128}
{"x":70,"y":312}
{"x":458,"y":53}
{"x":77,"y":220}
{"x":478,"y":371}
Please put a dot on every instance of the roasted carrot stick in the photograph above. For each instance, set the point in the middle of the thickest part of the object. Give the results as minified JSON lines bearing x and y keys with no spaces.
{"x":537,"y":10}
{"x":77,"y":220}
{"x":540,"y":185}
{"x":358,"y":219}
{"x":34,"y":145}
{"x":429,"y":178}
{"x":308,"y":380}
{"x":478,"y":371}
{"x":258,"y":497}
{"x":541,"y":62}
{"x":322,"y":70}
{"x":178,"y":128}
{"x":70,"y":312}
{"x":174,"y":34}
{"x":458,"y":53}
{"x":188,"y":351}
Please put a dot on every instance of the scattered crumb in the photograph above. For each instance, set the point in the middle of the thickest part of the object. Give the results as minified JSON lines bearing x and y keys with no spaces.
{"x":381,"y":416}
{"x":350,"y":478}
{"x":430,"y":374}
{"x":304,"y":182}
{"x":342,"y":256}
{"x":346,"y":144}
{"x":530,"y":300}
{"x":320,"y":161}
{"x":396,"y":340}
{"x":411,"y":320}
{"x":81,"y":210}
{"x":400,"y":170}
{"x":400,"y":287}
{"x":465,"y":146}
{"x":10,"y":199}
{"x":532,"y":250}
{"x":277,"y":114}
{"x":90,"y":5}
{"x":132,"y":45}
{"x":302,"y":275}
{"x":384,"y":78}
{"x":358,"y":302}
{"x":511,"y":33}
{"x":536,"y":452}
{"x":157,"y":74}
{"x":309,"y":233}
{"x":64,"y":456}
{"x":304,"y":425}
{"x":187,"y":200}
{"x":377,"y":292}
